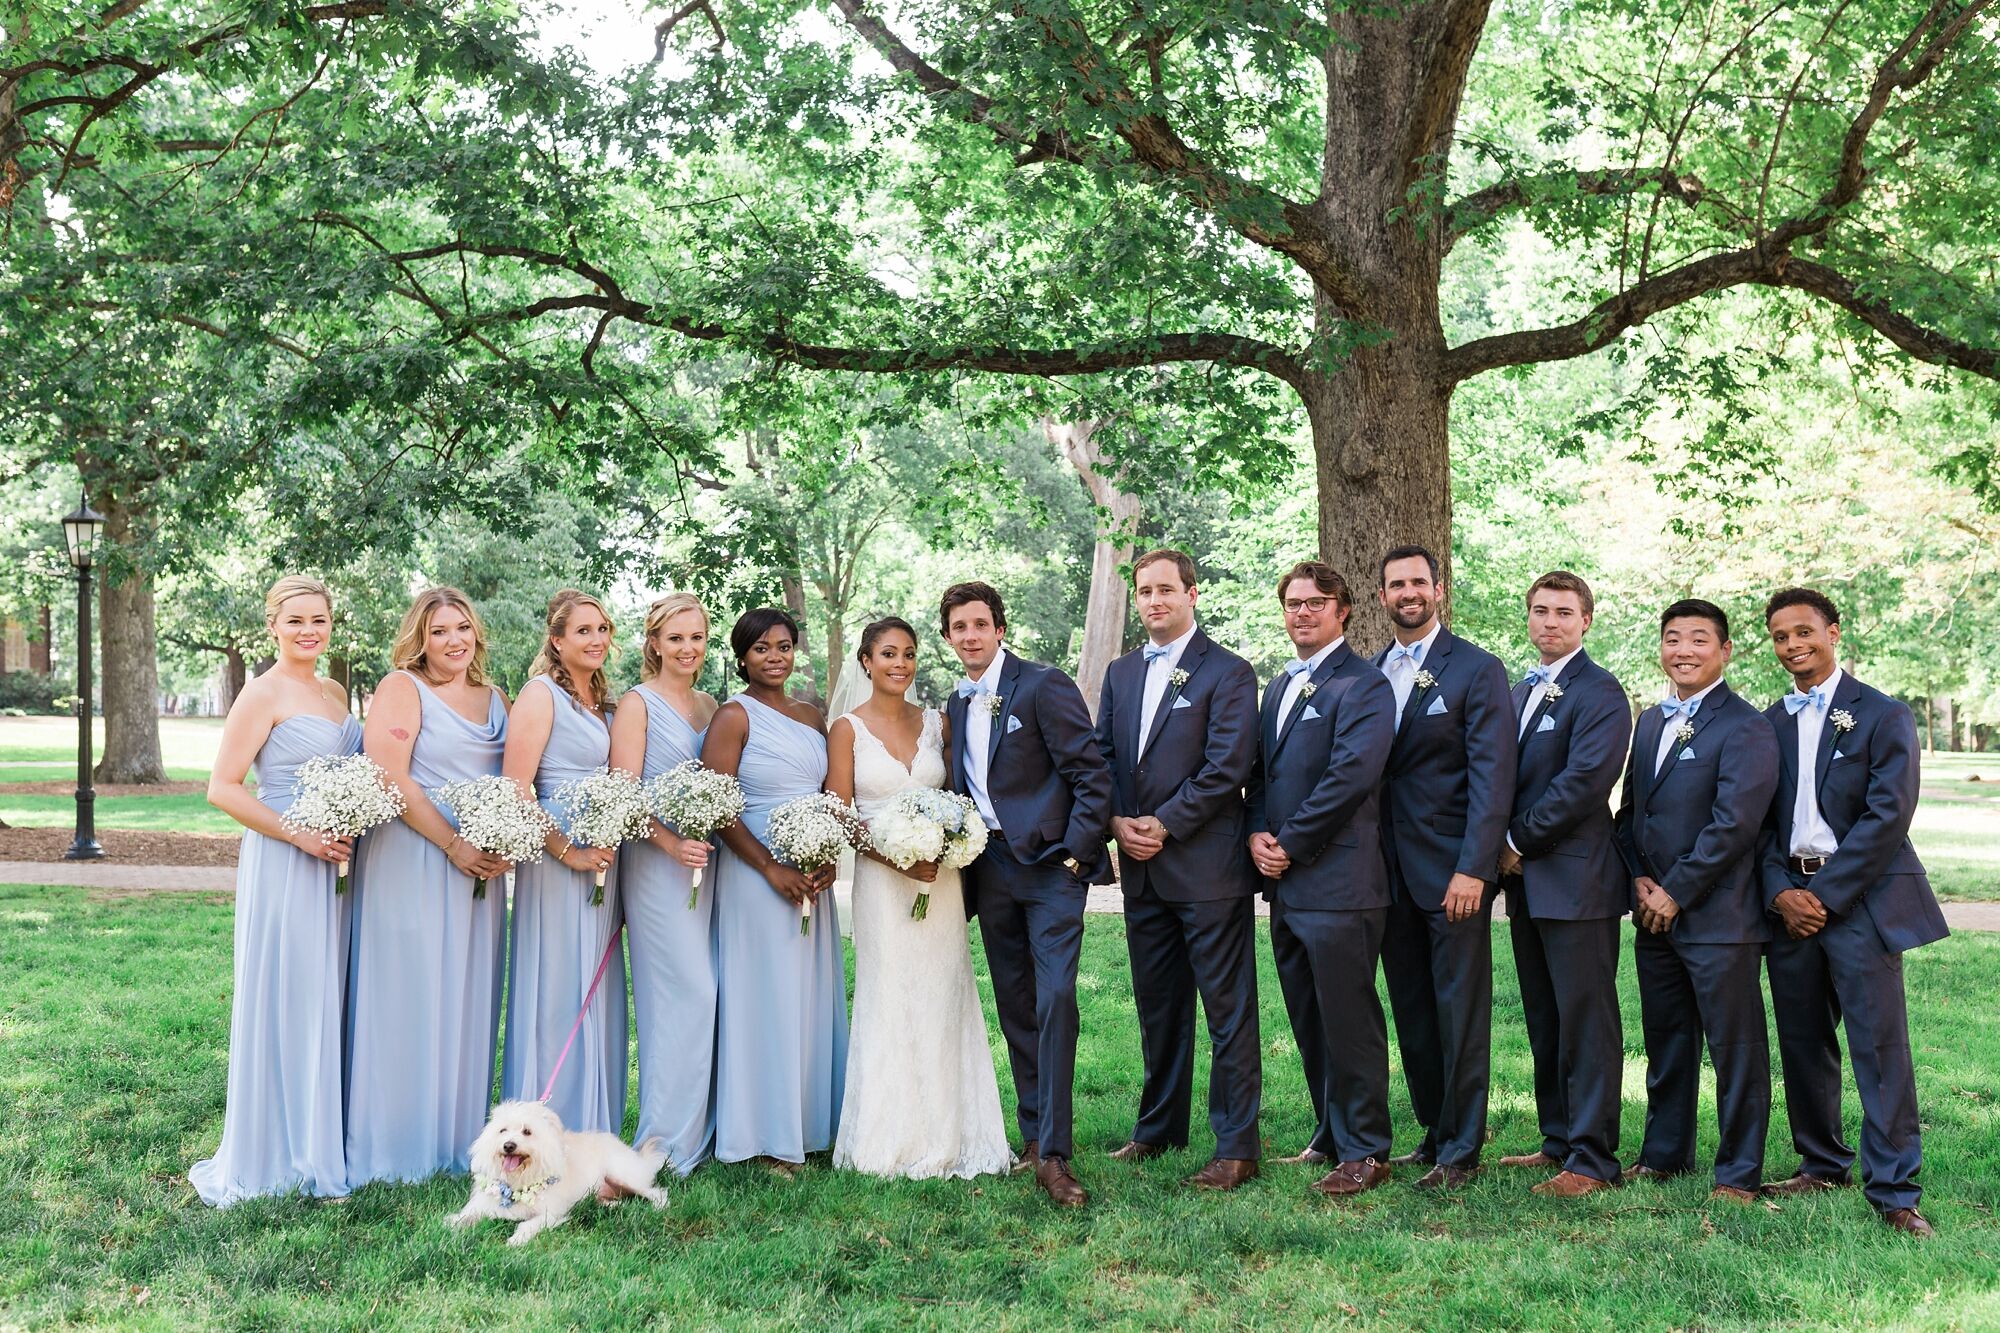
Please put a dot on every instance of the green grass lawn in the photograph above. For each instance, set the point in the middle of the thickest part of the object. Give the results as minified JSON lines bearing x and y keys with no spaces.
{"x":174,"y":814}
{"x":66,"y":773}
{"x":114,"y":1019}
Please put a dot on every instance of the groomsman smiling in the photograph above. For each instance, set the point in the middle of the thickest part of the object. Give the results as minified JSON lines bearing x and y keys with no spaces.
{"x":1838,"y":871}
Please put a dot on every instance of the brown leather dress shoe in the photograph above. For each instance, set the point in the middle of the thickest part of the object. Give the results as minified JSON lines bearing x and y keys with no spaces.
{"x":1136,"y":1151}
{"x":1353,"y":1178}
{"x":1910,"y":1222}
{"x":1731,"y":1194}
{"x":1640,"y":1171}
{"x":1537,"y":1158}
{"x":1569,"y":1185}
{"x":1053,"y":1175}
{"x":1415,"y":1158}
{"x":1805,"y":1184}
{"x":1442,"y":1177}
{"x":1310,"y":1157}
{"x":1224,"y":1173}
{"x":1030,"y":1158}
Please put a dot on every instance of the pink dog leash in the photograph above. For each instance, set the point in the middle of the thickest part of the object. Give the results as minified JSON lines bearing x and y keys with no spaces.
{"x":589,"y":995}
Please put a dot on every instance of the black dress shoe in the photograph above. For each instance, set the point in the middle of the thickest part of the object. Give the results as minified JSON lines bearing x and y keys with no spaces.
{"x":1136,"y":1151}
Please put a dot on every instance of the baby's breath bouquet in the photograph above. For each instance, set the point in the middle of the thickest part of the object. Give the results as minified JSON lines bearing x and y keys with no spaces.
{"x":696,"y":803}
{"x":342,"y":796}
{"x":926,"y":824}
{"x":602,"y":809}
{"x":812,"y":832}
{"x":494,"y":817}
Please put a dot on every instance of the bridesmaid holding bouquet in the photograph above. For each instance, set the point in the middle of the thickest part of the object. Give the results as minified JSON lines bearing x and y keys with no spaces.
{"x":424,"y":978}
{"x":558,"y":732}
{"x":661,"y":723}
{"x":282,"y":1124}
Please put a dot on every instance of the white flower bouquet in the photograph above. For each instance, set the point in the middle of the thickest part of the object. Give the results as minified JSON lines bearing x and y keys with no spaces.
{"x":342,"y":796}
{"x":810,"y":833}
{"x":495,"y":818}
{"x":697,"y":803}
{"x":602,"y":809}
{"x":926,"y":824}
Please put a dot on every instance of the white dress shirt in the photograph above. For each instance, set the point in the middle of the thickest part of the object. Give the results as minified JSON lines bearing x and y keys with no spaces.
{"x":1535,"y":696}
{"x":1157,"y":672}
{"x":1670,"y":734}
{"x":979,"y":722}
{"x":1402,"y":673}
{"x":1811,"y":834}
{"x":1298,"y":682}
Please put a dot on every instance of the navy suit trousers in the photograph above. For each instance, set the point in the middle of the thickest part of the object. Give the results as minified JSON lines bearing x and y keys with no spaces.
{"x":1441,"y":990}
{"x":1031,"y":920}
{"x":1688,"y":992}
{"x":1326,"y":966}
{"x":1569,"y":997}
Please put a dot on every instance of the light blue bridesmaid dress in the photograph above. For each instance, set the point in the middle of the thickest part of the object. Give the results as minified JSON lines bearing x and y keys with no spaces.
{"x":673,"y":967}
{"x":281,"y":1127}
{"x":557,"y":942}
{"x":781,"y":1030}
{"x":423,"y":983}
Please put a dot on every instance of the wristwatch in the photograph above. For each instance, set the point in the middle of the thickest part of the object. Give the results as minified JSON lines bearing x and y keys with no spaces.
{"x":1071,"y":864}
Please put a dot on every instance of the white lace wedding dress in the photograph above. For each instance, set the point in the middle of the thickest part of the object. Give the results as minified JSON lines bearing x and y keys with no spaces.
{"x":922,"y":1099}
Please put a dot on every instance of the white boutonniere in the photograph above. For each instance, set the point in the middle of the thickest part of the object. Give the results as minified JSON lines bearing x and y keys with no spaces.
{"x":993,"y":704}
{"x":1425,"y":679}
{"x":1553,"y":693}
{"x":1307,"y":690}
{"x":1685,"y":733}
{"x":1177,"y":680}
{"x":1842,"y":720}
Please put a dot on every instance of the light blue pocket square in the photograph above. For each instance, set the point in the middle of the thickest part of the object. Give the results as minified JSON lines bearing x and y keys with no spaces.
{"x":1837,"y":754}
{"x":1548,"y":723}
{"x":1013,"y":725}
{"x":1688,"y":753}
{"x":1182,"y":703}
{"x":1309,"y":714}
{"x":1437,"y":707}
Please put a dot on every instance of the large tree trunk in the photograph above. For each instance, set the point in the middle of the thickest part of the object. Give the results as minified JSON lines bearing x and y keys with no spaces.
{"x":130,"y":687}
{"x":1118,"y":521}
{"x":235,"y":674}
{"x":805,"y":685}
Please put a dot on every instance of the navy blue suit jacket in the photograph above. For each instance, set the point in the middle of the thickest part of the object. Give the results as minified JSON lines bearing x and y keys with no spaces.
{"x":1867,"y":795}
{"x":1188,"y":771}
{"x":1047,"y":782}
{"x":1570,"y":758}
{"x":1695,"y":828}
{"x":1449,"y":787}
{"x":1316,"y":787}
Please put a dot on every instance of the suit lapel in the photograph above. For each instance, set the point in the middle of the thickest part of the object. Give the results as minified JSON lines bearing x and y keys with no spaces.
{"x":1563,"y":682}
{"x":1844,"y":697}
{"x":1434,"y":662}
{"x":1131,"y":665}
{"x":1010,"y":674}
{"x":954,"y":711}
{"x":1318,"y":679}
{"x":1190,"y":662}
{"x":1711,"y":708}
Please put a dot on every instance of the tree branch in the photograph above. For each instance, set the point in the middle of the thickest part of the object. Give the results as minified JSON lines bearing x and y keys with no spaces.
{"x":1924,"y":344}
{"x":670,"y":22}
{"x":1475,"y":210}
{"x":1443,"y":83}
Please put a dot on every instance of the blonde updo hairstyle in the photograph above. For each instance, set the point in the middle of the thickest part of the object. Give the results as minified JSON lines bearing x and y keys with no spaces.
{"x":288,"y":587}
{"x":413,"y":636}
{"x":548,"y":661}
{"x":657,"y":616}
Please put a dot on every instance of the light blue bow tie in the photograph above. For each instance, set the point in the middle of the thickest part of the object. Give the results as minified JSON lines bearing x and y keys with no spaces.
{"x":968,"y":688}
{"x":1680,"y":708}
{"x":1413,"y":651}
{"x":1795,"y":703}
{"x":1155,"y":651}
{"x":1297,"y":668}
{"x":1540,"y":675}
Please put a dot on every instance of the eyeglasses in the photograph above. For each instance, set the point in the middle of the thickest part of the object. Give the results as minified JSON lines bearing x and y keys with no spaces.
{"x":1294,"y":605}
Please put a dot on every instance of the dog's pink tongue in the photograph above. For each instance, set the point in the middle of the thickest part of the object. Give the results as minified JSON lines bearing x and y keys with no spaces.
{"x":513,"y":1161}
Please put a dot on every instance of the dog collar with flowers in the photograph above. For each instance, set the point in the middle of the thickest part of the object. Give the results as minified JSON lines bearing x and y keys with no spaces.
{"x":509,"y":1196}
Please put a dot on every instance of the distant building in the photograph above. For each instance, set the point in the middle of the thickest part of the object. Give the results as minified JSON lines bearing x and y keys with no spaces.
{"x":25,"y":647}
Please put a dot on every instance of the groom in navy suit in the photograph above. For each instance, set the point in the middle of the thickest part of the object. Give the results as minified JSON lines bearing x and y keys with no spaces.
{"x":1316,"y":838}
{"x":1448,"y":793}
{"x":1177,"y":725}
{"x":1840,"y":874}
{"x":1697,"y":788}
{"x":1022,"y":750}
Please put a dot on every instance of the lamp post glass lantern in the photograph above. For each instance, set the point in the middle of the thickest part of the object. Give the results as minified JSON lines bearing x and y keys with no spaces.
{"x":81,"y":531}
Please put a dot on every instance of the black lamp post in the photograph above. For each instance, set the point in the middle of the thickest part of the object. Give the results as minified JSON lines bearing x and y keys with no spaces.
{"x":80,"y":533}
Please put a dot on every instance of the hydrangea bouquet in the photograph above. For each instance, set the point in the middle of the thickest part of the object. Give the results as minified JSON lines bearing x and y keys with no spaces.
{"x":696,"y":803}
{"x":926,"y":824}
{"x":602,"y":809}
{"x":496,"y":819}
{"x":342,"y":796}
{"x":810,"y":833}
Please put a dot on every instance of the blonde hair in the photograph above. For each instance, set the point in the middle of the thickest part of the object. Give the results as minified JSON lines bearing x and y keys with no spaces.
{"x":657,"y":616}
{"x":548,"y":662}
{"x":290,"y":586}
{"x":413,"y":636}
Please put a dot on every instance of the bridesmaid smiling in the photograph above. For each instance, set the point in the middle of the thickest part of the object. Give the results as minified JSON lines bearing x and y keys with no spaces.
{"x":659,"y":724}
{"x":281,"y":1125}
{"x":424,"y":980}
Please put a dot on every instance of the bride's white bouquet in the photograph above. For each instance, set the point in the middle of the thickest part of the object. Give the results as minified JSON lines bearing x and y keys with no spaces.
{"x":697,"y":803}
{"x":602,"y":808}
{"x":342,"y":796}
{"x":927,"y":824}
{"x":810,"y":833}
{"x":496,"y":819}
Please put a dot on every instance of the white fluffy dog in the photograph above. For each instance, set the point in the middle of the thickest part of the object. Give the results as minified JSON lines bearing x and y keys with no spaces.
{"x":527,"y":1168}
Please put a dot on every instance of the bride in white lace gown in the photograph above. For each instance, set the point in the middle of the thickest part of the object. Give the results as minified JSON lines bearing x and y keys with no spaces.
{"x":922,"y":1100}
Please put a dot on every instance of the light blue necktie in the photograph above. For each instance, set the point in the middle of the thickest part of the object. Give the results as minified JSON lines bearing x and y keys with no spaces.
{"x":1540,"y":675}
{"x":1680,"y":707}
{"x":1297,"y":668}
{"x":1795,"y":703}
{"x":1155,"y":651}
{"x":968,"y":688}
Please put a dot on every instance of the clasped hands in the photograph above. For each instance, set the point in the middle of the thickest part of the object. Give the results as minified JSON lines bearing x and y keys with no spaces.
{"x":795,"y":885}
{"x":1804,"y":914}
{"x":1657,"y":909}
{"x":1140,"y":839}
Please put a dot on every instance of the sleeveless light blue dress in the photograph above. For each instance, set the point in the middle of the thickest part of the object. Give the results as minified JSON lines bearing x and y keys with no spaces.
{"x":281,"y":1127}
{"x":781,"y":1021}
{"x":557,"y":941}
{"x":673,"y":968}
{"x":423,"y":983}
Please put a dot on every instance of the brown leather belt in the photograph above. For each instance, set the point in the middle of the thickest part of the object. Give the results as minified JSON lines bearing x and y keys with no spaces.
{"x":1807,"y":865}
